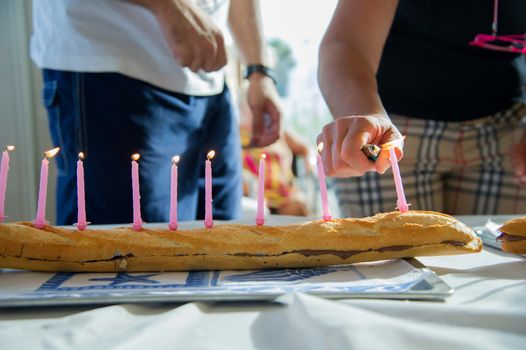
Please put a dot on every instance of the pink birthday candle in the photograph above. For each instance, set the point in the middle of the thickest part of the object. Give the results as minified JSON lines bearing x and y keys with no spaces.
{"x":401,"y":202}
{"x":209,"y":222}
{"x":173,"y":194}
{"x":4,"y":169}
{"x":323,"y":185}
{"x":137,"y":220}
{"x":40,"y":221}
{"x":260,"y":213}
{"x":81,"y":201}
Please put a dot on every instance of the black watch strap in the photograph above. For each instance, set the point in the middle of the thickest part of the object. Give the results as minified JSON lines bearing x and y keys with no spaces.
{"x":259,"y":68}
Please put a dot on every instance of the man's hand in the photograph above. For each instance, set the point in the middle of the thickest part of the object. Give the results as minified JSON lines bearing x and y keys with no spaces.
{"x":262,"y":99}
{"x":195,"y":41}
{"x":245,"y":25}
{"x":343,"y":139}
{"x":350,"y":54}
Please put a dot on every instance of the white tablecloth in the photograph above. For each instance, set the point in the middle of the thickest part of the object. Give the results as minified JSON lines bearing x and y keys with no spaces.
{"x":487,"y":311}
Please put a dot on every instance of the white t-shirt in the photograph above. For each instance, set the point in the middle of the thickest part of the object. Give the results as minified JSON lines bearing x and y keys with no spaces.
{"x":116,"y":36}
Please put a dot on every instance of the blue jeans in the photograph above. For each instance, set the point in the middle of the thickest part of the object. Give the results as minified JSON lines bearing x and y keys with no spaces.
{"x":109,"y":116}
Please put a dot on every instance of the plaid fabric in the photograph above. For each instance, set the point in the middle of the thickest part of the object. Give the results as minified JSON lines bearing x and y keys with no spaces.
{"x":451,"y":167}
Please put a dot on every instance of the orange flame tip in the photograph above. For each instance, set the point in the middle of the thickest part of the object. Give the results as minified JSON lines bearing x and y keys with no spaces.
{"x":394,"y":143}
{"x":211,"y":155}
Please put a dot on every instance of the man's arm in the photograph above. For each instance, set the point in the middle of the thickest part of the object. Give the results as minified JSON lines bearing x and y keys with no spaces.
{"x":349,"y":56}
{"x":245,"y":24}
{"x":196,"y":42}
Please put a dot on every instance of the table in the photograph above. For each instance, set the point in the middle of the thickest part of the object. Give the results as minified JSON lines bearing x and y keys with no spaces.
{"x":487,"y":311}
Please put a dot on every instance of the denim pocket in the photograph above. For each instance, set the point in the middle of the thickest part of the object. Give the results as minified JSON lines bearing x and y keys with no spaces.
{"x":50,"y":100}
{"x":49,"y":93}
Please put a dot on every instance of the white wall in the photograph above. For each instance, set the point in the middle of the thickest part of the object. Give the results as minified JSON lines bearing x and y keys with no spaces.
{"x":23,"y":120}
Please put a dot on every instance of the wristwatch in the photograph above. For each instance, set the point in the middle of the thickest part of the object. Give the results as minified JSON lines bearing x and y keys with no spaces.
{"x":259,"y":68}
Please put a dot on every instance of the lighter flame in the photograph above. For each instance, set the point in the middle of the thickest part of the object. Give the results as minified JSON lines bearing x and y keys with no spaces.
{"x":263,"y":156}
{"x":320,"y":147}
{"x":394,"y":143}
{"x":81,"y":155}
{"x":136,"y":156}
{"x":175,"y":159}
{"x":52,"y":152}
{"x":211,"y":155}
{"x":10,"y":148}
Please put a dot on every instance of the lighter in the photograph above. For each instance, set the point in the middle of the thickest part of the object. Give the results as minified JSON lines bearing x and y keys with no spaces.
{"x":371,"y":151}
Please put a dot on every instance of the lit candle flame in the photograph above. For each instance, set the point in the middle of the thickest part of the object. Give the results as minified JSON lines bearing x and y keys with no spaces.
{"x":10,"y":148}
{"x":263,"y":156}
{"x":320,"y":147}
{"x":135,"y":156}
{"x":51,"y":153}
{"x":175,"y":159}
{"x":81,"y":155}
{"x":211,"y":155}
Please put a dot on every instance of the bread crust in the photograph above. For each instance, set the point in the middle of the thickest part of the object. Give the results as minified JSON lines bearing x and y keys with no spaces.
{"x":513,"y":230}
{"x":516,"y":227}
{"x":234,"y":246}
{"x":515,"y":247}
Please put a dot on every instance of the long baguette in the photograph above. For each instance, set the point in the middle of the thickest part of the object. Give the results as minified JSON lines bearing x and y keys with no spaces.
{"x":234,"y":246}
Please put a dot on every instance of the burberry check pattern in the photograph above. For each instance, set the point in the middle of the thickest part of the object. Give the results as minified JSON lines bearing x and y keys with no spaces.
{"x":461,"y":168}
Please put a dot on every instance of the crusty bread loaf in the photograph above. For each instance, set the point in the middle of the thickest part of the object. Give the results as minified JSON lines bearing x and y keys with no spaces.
{"x":513,"y":236}
{"x":234,"y":246}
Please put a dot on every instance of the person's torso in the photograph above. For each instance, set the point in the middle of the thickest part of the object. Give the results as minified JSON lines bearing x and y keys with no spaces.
{"x":116,"y":36}
{"x":429,"y":70}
